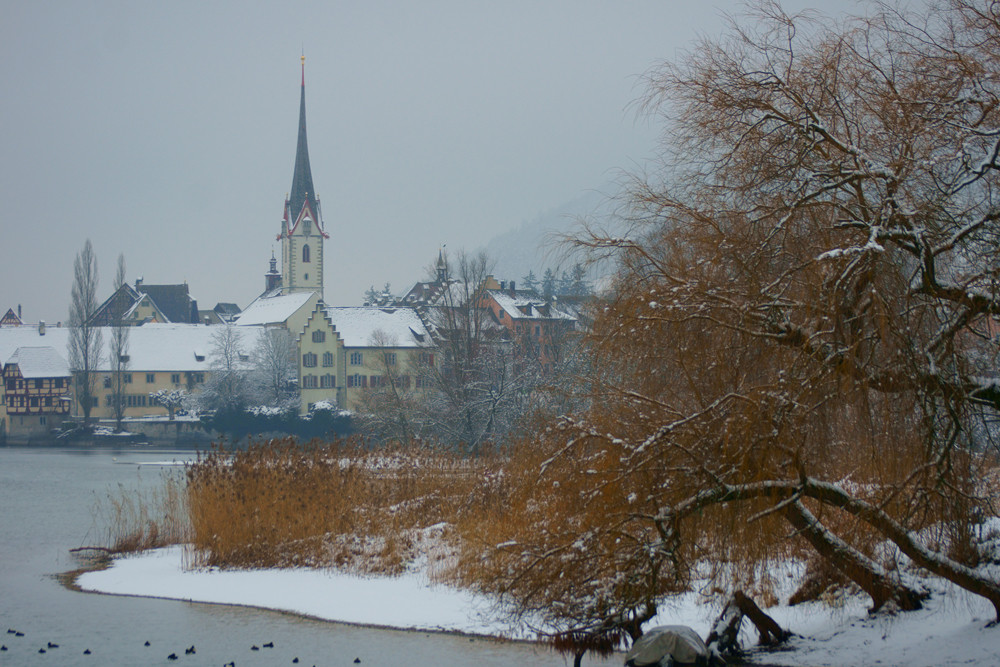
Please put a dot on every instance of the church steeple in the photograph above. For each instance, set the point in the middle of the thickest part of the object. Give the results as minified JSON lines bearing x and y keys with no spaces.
{"x":302,"y":232}
{"x":302,"y":192}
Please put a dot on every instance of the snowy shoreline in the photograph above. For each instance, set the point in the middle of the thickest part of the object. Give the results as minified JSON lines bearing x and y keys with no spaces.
{"x":324,"y":595}
{"x":951,"y":630}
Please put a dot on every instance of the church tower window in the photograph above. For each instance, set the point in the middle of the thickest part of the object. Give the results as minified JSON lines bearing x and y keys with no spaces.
{"x":305,"y":253}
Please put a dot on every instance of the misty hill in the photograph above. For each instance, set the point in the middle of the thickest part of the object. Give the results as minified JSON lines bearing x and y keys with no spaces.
{"x":536,"y":244}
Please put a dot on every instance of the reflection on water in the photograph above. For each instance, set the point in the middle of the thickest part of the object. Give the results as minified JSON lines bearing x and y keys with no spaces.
{"x":47,"y":500}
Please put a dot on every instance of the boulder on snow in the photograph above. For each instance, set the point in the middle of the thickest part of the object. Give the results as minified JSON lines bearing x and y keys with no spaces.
{"x":667,"y":645}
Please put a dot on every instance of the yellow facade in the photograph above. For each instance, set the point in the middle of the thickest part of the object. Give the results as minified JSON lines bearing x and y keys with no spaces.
{"x":369,"y":368}
{"x":320,"y":362}
{"x":331,"y":371}
{"x":138,"y":386}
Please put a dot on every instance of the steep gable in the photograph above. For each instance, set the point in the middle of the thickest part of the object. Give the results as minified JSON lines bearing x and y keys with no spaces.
{"x":173,"y":301}
{"x":11,"y":319}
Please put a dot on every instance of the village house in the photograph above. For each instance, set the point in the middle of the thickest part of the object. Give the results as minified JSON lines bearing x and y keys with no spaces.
{"x":347,"y":350}
{"x":11,"y":319}
{"x":538,"y":327}
{"x":160,"y":356}
{"x":36,"y":392}
{"x":147,"y":303}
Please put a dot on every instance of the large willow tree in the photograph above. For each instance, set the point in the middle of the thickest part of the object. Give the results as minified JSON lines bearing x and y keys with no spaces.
{"x":799,"y":351}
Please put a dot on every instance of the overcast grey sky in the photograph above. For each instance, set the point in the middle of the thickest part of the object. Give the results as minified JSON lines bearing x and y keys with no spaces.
{"x":166,"y":130}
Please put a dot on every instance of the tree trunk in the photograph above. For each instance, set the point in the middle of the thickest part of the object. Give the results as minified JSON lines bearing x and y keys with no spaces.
{"x":930,"y":560}
{"x":866,"y":573}
{"x":722,"y":638}
{"x":768,"y":629}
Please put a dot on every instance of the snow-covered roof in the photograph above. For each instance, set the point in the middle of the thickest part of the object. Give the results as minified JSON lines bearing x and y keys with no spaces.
{"x":151,"y":347}
{"x":359,"y":326}
{"x":528,"y":306}
{"x":273,"y":309}
{"x":39,"y":362}
{"x":452,"y":293}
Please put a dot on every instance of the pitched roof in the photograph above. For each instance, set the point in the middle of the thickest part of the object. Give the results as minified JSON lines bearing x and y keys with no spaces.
{"x":147,"y":300}
{"x":174,"y":301}
{"x":226,"y":308}
{"x":527,"y":305}
{"x":122,"y":300}
{"x":39,"y":362}
{"x":362,"y":326}
{"x":10,"y":319}
{"x":151,"y":347}
{"x":272,"y":309}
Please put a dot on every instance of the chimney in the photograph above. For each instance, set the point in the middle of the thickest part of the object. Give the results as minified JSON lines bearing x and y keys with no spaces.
{"x":41,"y":327}
{"x":138,"y":281}
{"x":513,"y":291}
{"x":503,"y":284}
{"x":18,"y":311}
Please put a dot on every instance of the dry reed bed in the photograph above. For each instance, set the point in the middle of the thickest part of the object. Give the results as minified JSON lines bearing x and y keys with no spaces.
{"x":285,"y":504}
{"x":136,"y":520}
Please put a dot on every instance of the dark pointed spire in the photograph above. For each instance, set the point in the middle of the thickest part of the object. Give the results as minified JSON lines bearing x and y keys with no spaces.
{"x":302,"y":183}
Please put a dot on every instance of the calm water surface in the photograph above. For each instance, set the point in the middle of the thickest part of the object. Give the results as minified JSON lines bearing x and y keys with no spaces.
{"x":47,"y":501}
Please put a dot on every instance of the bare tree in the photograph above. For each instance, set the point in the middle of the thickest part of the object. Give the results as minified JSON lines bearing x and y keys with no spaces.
{"x":479,"y":383}
{"x":118,"y":348}
{"x":274,"y":367}
{"x":85,"y":337}
{"x":229,"y":387}
{"x":392,"y":409}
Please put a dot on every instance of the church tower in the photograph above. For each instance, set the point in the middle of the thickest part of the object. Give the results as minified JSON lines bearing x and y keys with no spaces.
{"x":302,"y":232}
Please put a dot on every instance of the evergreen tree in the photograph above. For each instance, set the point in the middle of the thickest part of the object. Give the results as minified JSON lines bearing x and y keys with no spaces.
{"x":565,"y":284}
{"x":548,"y":284}
{"x":530,"y":281}
{"x":579,"y":286}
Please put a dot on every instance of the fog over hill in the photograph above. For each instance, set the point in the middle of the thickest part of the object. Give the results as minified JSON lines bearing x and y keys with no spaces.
{"x":537,"y":245}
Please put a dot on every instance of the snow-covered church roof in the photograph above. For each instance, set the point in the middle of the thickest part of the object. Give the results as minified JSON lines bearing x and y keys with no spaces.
{"x":364,"y":326}
{"x":273,"y":309}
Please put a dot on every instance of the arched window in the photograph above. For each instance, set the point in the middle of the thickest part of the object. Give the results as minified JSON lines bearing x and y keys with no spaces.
{"x":305,"y":253}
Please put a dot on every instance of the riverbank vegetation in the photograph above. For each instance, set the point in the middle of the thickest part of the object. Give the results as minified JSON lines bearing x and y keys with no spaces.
{"x":281,"y":503}
{"x":131,"y":520}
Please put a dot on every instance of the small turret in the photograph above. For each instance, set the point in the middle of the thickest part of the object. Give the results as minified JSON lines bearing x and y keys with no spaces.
{"x":272,"y":279}
{"x":441,"y":266}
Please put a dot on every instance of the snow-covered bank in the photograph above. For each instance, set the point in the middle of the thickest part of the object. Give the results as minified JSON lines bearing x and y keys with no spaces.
{"x":950,"y":631}
{"x":406,"y":602}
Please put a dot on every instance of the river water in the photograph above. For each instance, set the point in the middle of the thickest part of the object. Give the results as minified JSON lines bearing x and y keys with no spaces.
{"x":47,"y":507}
